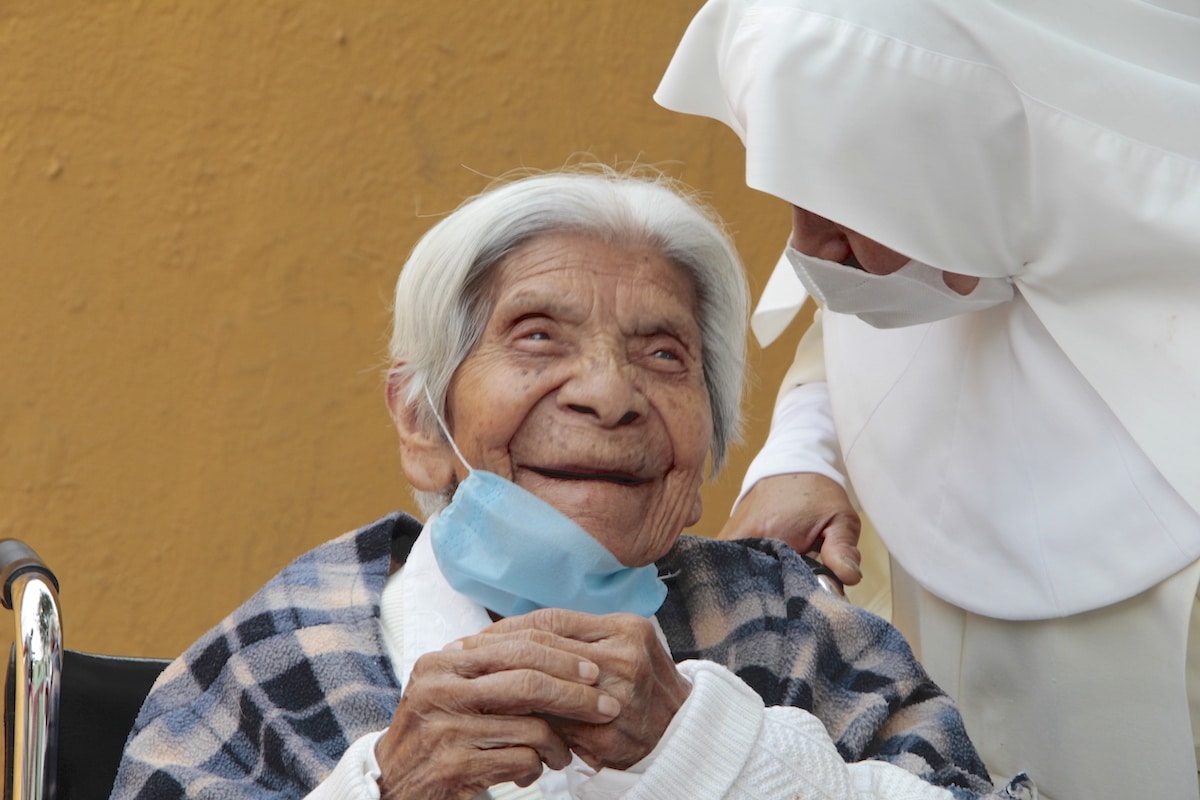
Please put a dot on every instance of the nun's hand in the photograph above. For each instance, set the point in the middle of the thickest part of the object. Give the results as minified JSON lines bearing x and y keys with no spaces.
{"x":806,"y":511}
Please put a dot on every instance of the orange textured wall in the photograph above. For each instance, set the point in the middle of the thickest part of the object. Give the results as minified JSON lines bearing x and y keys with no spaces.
{"x":203,"y":208}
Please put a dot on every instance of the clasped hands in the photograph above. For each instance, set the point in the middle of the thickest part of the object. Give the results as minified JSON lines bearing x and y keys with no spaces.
{"x":525,"y":692}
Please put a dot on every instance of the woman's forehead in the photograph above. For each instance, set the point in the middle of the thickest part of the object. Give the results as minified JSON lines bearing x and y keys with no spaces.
{"x":566,"y":272}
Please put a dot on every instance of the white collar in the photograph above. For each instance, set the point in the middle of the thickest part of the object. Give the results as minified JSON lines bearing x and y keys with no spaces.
{"x":434,"y":612}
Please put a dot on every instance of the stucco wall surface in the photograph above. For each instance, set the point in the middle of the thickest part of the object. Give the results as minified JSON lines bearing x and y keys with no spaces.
{"x":203,"y":209}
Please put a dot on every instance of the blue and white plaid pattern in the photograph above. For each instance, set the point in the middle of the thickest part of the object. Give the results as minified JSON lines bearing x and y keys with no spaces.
{"x":264,"y":705}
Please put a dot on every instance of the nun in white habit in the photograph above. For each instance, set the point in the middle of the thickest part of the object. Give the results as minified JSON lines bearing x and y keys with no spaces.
{"x":1028,"y":443}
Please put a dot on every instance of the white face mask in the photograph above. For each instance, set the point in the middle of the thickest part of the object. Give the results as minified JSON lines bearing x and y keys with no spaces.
{"x":913,"y":294}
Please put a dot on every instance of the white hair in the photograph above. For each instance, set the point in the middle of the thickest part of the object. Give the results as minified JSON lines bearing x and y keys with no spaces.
{"x":442,"y":306}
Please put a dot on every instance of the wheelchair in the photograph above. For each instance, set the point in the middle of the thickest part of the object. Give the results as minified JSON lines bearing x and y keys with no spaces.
{"x":66,"y":713}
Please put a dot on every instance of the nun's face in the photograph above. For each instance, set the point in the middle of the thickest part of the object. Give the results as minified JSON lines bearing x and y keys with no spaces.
{"x":816,"y":236}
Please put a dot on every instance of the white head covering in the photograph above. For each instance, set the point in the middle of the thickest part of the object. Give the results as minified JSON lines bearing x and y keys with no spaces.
{"x":1054,"y":142}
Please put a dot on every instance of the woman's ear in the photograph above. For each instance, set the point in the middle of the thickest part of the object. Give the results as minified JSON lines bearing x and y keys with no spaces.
{"x":426,"y":456}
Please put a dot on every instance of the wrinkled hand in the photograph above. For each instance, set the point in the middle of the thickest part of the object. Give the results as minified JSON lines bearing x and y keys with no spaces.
{"x":805,"y":510}
{"x":634,"y":668}
{"x":474,"y":716}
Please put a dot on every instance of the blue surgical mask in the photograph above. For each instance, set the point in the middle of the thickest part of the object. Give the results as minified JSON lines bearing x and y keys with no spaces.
{"x":512,"y":552}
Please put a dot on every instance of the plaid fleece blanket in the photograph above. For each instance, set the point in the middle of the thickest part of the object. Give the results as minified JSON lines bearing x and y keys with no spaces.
{"x":264,"y":705}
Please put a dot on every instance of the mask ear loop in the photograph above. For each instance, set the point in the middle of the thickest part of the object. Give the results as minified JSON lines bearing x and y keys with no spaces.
{"x":445,"y":431}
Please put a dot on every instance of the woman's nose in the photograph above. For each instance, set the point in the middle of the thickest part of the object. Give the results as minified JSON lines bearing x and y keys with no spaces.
{"x":626,"y":418}
{"x":604,"y":388}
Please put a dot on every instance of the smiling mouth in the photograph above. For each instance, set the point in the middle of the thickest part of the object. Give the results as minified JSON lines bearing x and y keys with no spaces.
{"x":619,"y":478}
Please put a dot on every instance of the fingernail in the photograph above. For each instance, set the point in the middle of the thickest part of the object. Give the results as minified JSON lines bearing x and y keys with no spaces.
{"x":588,"y":671}
{"x":455,"y":645}
{"x":608,"y":706}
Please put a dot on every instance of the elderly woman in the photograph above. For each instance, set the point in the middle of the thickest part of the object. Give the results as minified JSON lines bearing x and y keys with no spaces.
{"x":567,"y":358}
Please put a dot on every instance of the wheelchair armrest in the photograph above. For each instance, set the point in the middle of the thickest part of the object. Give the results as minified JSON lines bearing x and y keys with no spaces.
{"x":17,"y":558}
{"x":30,"y":590}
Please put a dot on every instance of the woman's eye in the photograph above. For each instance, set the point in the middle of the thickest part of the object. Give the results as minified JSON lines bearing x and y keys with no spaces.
{"x":667,"y":355}
{"x":532,"y":328}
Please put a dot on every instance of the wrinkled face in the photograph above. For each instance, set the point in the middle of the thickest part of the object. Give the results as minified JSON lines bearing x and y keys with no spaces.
{"x":587,"y":389}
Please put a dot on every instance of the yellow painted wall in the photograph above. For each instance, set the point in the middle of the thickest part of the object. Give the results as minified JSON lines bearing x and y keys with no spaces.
{"x":203,"y":209}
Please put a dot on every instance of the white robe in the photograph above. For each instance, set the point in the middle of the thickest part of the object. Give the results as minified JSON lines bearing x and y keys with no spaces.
{"x":1041,"y":458}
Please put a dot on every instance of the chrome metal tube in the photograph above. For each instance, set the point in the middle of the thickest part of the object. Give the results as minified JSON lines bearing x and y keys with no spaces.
{"x":38,"y":676}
